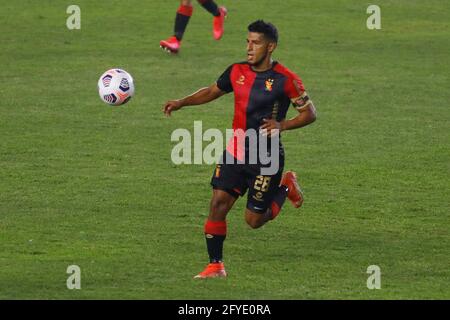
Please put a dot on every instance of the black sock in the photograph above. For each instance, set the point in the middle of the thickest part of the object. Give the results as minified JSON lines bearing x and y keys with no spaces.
{"x":181,"y":22}
{"x":210,"y":6}
{"x":278,"y":201}
{"x":280,"y":196}
{"x":214,"y":244}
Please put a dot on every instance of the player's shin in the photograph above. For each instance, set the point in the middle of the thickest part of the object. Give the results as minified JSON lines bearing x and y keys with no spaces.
{"x":184,"y":13}
{"x":215,"y":234}
{"x":210,"y":6}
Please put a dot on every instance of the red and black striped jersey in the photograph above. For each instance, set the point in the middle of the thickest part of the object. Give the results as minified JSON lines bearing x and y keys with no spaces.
{"x":259,"y":95}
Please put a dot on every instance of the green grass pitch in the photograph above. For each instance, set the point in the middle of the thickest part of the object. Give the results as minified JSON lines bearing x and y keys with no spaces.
{"x":85,"y":184}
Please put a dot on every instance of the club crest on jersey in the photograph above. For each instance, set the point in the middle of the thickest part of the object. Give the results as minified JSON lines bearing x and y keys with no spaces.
{"x":269,"y":84}
{"x":240,"y":80}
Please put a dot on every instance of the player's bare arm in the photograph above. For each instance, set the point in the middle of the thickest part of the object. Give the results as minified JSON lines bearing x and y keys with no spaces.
{"x":201,"y":96}
{"x":307,"y":115}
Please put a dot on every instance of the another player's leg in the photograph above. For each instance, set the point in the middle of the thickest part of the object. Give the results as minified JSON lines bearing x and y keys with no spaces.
{"x":219,"y":14}
{"x":215,"y":233}
{"x":184,"y":13}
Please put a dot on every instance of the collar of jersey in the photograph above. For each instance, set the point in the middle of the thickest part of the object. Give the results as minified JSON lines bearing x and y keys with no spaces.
{"x":273,"y":66}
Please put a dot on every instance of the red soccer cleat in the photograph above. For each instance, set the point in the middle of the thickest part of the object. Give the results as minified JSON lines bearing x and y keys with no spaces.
{"x":218,"y":23}
{"x":171,"y":45}
{"x":295,"y":194}
{"x":212,"y":270}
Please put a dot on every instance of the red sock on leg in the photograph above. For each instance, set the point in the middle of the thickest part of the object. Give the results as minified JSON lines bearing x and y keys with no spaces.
{"x":185,"y":10}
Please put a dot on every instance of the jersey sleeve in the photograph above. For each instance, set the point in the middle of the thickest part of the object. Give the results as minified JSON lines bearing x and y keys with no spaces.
{"x":295,"y":90}
{"x":224,"y":81}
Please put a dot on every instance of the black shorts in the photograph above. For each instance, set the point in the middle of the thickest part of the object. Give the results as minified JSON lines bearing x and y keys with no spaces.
{"x":235,"y":179}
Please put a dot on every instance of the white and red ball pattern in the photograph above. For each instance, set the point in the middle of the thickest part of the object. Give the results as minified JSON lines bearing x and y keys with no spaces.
{"x":116,"y":87}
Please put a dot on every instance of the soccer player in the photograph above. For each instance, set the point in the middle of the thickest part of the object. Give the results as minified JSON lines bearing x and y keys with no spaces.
{"x":263,"y":90}
{"x":184,"y":13}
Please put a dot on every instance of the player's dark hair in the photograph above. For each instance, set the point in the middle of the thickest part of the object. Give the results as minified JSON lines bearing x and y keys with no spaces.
{"x":266,"y":28}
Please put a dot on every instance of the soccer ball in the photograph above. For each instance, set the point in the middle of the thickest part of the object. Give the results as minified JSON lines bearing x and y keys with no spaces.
{"x":116,"y":87}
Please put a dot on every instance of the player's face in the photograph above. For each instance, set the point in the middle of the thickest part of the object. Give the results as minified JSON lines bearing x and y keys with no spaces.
{"x":258,"y":48}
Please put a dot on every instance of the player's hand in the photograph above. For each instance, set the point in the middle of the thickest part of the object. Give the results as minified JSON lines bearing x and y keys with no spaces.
{"x":172,"y":105}
{"x":270,"y":127}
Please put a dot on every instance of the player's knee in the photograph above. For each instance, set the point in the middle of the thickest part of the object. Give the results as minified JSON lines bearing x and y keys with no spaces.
{"x":219,"y":205}
{"x":252,"y":222}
